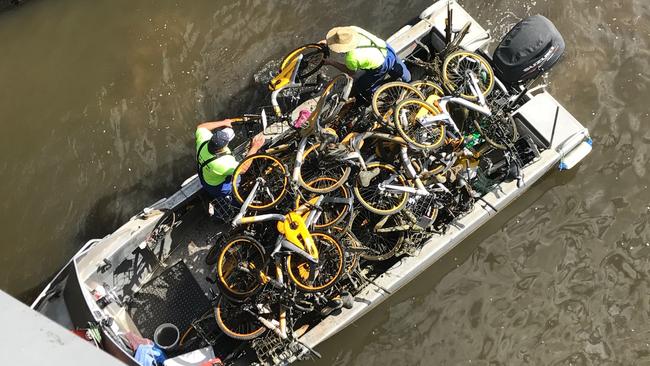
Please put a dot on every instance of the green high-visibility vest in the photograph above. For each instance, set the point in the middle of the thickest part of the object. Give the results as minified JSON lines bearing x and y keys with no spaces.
{"x":369,"y":54}
{"x":213,"y":171}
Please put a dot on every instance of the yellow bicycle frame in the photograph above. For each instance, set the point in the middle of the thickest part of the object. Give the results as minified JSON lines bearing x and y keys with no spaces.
{"x":296,"y":232}
{"x":432,"y":100}
{"x":285,"y":76}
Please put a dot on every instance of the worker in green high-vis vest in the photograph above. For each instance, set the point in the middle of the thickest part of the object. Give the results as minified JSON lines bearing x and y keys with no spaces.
{"x":367,"y":52}
{"x":216,"y":163}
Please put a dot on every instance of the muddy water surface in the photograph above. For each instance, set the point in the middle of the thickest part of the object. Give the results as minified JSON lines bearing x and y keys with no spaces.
{"x":99,"y":101}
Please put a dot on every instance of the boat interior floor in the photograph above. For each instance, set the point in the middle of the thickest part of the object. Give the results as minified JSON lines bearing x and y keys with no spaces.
{"x":178,"y":292}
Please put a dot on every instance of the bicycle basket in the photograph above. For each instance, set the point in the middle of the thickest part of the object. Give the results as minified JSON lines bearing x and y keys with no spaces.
{"x":223,"y":209}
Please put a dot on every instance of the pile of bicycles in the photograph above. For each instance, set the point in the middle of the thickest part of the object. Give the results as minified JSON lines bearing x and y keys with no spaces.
{"x":351,"y":187}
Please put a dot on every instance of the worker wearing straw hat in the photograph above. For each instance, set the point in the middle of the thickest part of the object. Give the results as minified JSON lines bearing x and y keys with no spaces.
{"x":365,"y":51}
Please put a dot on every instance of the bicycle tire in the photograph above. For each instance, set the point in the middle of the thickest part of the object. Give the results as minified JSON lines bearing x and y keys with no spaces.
{"x":265,"y":166}
{"x":332,"y":99}
{"x":348,"y":239}
{"x":190,"y":339}
{"x":212,"y":255}
{"x":296,"y":267}
{"x":510,"y":124}
{"x":428,"y":137}
{"x":380,"y":246}
{"x":314,"y":55}
{"x":225,"y":308}
{"x":225,"y":271}
{"x":362,"y":193}
{"x":339,"y":213}
{"x":452,"y":73}
{"x":388,"y":95}
{"x":428,"y":88}
{"x":325,"y":168}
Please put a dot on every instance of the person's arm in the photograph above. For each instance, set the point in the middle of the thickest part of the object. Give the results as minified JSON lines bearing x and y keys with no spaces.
{"x":256,"y":144}
{"x":341,"y":67}
{"x":216,"y":124}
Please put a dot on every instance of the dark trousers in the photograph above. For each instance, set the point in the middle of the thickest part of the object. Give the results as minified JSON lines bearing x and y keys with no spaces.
{"x":222,"y":190}
{"x":370,"y":80}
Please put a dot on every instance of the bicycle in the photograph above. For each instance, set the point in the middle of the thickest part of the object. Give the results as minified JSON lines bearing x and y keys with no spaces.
{"x":449,"y":66}
{"x":421,"y":126}
{"x":296,"y":69}
{"x":378,"y":186}
{"x":313,"y":57}
{"x":388,"y":95}
{"x":203,"y":331}
{"x":270,"y":166}
{"x":313,"y":260}
{"x":416,"y":120}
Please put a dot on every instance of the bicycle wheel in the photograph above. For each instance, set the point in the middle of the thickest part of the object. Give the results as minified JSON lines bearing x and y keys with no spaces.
{"x":332,"y":99}
{"x":236,"y":322}
{"x":191,"y":338}
{"x":239,"y":263}
{"x":272,"y":186}
{"x":409,"y":117}
{"x":379,"y":245}
{"x":332,"y":212}
{"x":500,"y":129}
{"x":315,"y":277}
{"x":497,"y":131}
{"x":370,"y":190}
{"x":313,"y":57}
{"x":317,"y":164}
{"x":348,"y":240}
{"x":454,"y":74}
{"x":388,"y":95}
{"x":213,"y":254}
{"x":428,"y":88}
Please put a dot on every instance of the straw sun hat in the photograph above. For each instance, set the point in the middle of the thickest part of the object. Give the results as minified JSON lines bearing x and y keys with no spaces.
{"x":342,"y":39}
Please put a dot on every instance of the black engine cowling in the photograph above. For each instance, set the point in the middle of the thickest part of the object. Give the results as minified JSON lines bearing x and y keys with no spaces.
{"x":529,"y":49}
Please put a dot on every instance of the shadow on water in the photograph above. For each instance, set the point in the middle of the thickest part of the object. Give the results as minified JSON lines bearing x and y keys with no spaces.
{"x":112,"y":210}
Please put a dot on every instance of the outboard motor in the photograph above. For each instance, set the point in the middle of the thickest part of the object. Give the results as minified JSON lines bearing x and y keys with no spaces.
{"x":529,"y":49}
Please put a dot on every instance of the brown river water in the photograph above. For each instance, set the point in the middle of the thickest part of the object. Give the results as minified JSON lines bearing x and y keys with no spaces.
{"x":99,"y":101}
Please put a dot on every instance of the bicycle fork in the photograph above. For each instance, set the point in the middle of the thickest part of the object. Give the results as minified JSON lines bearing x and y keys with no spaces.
{"x":281,"y":328}
{"x":410,"y":170}
{"x":295,"y":176}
